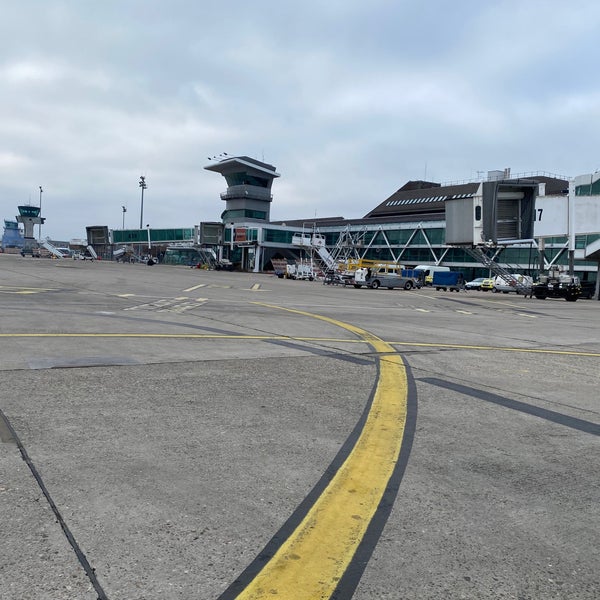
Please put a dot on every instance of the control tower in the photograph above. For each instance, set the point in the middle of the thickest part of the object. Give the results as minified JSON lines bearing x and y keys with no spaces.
{"x":29,"y":216}
{"x":248,"y":196}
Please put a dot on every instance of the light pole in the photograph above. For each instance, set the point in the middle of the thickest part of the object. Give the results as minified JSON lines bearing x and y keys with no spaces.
{"x":124,"y":211}
{"x":41,"y":190}
{"x":143,"y":185}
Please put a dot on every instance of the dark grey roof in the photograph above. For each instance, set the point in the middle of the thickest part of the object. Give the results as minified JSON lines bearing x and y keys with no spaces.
{"x":554,"y":185}
{"x":423,"y":197}
{"x":342,"y":222}
{"x":231,"y":164}
{"x":411,"y":199}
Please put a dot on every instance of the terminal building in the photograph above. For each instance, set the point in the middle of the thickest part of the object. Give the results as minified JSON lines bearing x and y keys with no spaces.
{"x":424,"y":223}
{"x":527,"y":222}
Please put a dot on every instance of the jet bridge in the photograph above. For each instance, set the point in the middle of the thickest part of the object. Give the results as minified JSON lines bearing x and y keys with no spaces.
{"x":499,"y":212}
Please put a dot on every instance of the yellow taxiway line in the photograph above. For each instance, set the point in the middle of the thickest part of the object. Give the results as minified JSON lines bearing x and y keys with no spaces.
{"x":310,"y":563}
{"x":229,"y":336}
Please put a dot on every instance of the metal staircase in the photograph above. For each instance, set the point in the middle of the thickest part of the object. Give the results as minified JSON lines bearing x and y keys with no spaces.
{"x":480,"y":256}
{"x":315,"y":242}
{"x":349,"y":245}
{"x":51,"y":248}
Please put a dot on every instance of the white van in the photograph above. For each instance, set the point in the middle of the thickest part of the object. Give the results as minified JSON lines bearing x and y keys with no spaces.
{"x":427,"y":271}
{"x":518,"y":284}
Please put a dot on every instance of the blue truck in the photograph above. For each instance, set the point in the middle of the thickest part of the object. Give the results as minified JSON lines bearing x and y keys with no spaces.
{"x":453,"y":281}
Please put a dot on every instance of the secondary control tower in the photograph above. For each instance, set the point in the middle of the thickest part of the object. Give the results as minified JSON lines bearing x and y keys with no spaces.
{"x":29,"y":216}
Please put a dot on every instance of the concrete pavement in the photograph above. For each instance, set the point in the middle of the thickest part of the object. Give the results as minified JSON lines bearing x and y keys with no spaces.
{"x":178,"y":420}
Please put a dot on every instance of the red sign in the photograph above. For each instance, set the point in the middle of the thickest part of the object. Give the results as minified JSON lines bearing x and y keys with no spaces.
{"x":239,"y":235}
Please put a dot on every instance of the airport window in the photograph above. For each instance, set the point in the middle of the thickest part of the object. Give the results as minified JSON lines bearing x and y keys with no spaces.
{"x":245,"y":179}
{"x":241,"y":213}
{"x":588,"y":190}
{"x":436,"y":236}
{"x":278,"y":236}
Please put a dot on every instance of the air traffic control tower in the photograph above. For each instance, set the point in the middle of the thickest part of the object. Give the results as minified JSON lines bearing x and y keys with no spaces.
{"x":248,"y":196}
{"x":29,"y":216}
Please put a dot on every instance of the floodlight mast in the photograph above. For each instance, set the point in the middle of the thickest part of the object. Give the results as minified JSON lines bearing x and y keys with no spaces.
{"x":41,"y":190}
{"x":143,"y":185}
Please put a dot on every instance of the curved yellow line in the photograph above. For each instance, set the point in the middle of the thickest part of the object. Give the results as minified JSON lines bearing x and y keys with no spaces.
{"x":310,"y":563}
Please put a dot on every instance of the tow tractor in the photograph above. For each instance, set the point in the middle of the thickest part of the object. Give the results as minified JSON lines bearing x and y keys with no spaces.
{"x":557,"y":285}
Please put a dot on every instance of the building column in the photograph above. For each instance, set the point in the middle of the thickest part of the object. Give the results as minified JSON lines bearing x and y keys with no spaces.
{"x":258,"y":256}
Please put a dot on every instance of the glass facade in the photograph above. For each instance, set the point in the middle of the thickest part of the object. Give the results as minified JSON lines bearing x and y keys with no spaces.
{"x":279,"y":236}
{"x":241,"y":214}
{"x":245,"y":179}
{"x":588,"y":190}
{"x":162,"y":236}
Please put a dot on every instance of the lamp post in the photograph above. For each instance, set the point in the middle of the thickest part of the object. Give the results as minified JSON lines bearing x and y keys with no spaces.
{"x":143,"y":185}
{"x":41,"y":190}
{"x":124,"y":211}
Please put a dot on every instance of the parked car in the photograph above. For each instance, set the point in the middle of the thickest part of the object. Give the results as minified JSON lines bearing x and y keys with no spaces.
{"x":475,"y":284}
{"x":588,"y":289}
{"x":487,"y":285}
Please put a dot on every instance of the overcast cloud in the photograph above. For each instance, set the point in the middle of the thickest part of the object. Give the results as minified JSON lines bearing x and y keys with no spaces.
{"x":347,"y":99}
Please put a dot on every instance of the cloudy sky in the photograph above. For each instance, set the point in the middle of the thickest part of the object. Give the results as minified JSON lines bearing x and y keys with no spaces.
{"x":348,"y":99}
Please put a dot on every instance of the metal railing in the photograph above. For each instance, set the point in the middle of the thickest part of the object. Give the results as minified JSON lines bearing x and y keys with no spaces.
{"x":251,"y":192}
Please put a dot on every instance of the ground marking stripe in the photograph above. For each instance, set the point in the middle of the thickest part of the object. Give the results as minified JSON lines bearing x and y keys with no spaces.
{"x":195,"y":287}
{"x":24,"y":287}
{"x":226,"y":336}
{"x":310,"y":563}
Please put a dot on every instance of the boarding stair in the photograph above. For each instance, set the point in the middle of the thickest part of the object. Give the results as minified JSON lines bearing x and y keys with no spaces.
{"x":316,"y":243}
{"x":481,"y":257}
{"x":51,"y":248}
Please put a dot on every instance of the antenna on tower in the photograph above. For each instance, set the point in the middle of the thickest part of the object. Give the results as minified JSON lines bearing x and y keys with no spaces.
{"x":219,"y":157}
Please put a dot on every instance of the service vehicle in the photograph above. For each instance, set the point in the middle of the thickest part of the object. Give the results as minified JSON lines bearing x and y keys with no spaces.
{"x":453,"y":281}
{"x":374,"y":279}
{"x":487,"y":285}
{"x":426,"y":272}
{"x":300,"y":271}
{"x":557,"y":285}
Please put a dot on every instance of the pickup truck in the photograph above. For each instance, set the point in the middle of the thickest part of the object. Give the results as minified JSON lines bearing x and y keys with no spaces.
{"x":364,"y":276}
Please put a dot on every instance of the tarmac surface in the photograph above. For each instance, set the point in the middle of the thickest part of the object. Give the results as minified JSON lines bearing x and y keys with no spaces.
{"x":171,"y":433}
